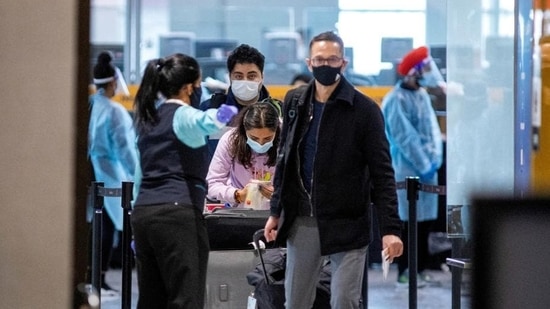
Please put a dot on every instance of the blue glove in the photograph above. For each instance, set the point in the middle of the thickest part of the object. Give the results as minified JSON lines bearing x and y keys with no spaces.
{"x":430,"y":174}
{"x":226,"y":113}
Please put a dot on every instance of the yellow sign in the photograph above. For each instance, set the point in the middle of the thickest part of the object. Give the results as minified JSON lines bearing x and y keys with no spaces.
{"x":276,"y":91}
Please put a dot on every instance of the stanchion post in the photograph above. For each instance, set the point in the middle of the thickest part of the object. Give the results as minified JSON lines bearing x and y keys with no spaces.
{"x":126,"y":203}
{"x":413,"y":186}
{"x":96,"y":236}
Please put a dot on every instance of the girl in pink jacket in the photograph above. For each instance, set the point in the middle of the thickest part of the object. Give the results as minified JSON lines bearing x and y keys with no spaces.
{"x":243,"y":164}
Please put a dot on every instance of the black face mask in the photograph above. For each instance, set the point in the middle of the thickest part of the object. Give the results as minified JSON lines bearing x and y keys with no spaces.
{"x":196,"y":97}
{"x":326,"y":75}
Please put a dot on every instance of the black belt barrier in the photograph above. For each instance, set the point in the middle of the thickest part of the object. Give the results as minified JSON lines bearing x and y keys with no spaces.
{"x":413,"y":186}
{"x":126,"y":198}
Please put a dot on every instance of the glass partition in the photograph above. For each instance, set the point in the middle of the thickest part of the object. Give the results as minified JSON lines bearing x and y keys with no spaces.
{"x":483,"y":108}
{"x":209,"y":29}
{"x":480,"y":106}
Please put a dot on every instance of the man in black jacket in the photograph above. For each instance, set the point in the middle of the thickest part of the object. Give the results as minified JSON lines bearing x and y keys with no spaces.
{"x":333,"y":154}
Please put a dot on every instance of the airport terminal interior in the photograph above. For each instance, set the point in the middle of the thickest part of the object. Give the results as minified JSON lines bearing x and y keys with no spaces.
{"x":493,"y":56}
{"x":383,"y":294}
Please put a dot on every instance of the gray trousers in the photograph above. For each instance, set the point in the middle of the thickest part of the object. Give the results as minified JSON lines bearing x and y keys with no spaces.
{"x":303,"y":265}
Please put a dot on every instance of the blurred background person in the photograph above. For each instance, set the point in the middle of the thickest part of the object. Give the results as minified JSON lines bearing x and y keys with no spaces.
{"x":416,"y":148}
{"x":301,"y":79}
{"x":111,"y":147}
{"x":246,"y":152}
{"x":171,"y":241}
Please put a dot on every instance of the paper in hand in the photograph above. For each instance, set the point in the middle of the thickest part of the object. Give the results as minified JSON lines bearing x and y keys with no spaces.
{"x":385,"y":263}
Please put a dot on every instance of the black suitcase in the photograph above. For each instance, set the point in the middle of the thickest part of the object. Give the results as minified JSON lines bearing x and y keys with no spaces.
{"x":231,"y":255}
{"x":230,"y":228}
{"x":268,"y":277}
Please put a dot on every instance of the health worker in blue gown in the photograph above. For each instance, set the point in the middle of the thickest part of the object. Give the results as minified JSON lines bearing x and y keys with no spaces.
{"x":416,"y":145}
{"x":111,"y":149}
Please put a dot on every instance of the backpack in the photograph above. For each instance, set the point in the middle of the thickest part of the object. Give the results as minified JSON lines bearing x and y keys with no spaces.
{"x":271,"y":295}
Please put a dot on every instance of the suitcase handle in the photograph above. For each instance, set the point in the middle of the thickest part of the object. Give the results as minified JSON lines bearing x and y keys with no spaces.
{"x":259,"y":234}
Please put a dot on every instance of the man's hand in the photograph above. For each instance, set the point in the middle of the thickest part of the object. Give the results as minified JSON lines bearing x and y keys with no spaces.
{"x":394,"y":246}
{"x":270,"y":229}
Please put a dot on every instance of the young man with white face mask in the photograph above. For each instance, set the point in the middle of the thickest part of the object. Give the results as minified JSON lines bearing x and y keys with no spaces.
{"x":245,"y":65}
{"x":246,"y":73}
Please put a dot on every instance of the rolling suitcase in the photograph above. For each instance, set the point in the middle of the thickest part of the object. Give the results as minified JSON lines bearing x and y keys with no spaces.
{"x":230,"y":228}
{"x":268,"y":277}
{"x":231,"y":256}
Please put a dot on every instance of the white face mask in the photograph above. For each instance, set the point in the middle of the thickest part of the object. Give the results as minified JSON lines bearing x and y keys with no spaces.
{"x":257,"y":147}
{"x":245,"y":90}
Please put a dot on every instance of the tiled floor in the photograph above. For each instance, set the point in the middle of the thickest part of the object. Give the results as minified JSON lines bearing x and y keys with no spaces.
{"x":383,"y":294}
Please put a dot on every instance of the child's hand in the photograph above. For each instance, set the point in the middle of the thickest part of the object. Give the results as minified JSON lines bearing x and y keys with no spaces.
{"x":266,"y":190}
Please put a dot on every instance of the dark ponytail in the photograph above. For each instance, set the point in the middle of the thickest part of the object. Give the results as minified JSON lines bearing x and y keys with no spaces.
{"x":164,"y":76}
{"x":146,"y":96}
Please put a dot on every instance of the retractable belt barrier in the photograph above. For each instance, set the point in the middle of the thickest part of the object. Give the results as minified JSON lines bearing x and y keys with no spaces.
{"x":413,"y":186}
{"x":99,"y":193}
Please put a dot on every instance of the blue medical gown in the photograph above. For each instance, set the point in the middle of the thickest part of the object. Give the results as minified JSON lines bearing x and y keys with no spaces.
{"x":112,"y":150}
{"x":415,"y":144}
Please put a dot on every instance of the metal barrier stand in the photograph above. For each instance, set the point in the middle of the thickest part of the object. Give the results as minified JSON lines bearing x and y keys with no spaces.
{"x":457,"y":267}
{"x":126,"y":204}
{"x":96,"y":237}
{"x":413,"y":186}
{"x":100,"y":192}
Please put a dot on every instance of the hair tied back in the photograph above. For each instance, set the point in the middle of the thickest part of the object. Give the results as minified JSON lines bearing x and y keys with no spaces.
{"x":274,"y":103}
{"x":160,"y":64}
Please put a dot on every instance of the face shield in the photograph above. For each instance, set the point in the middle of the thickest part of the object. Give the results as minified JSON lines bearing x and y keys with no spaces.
{"x":430,"y":76}
{"x":121,"y":86}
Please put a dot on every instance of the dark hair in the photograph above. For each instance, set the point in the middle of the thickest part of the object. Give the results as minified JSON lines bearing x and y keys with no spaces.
{"x":245,"y":54}
{"x":263,"y":114}
{"x":165,"y":76}
{"x":104,"y":68}
{"x":328,"y":36}
{"x":306,"y":78}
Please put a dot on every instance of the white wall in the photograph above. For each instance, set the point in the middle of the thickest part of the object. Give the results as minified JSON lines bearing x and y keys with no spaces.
{"x":37,"y":87}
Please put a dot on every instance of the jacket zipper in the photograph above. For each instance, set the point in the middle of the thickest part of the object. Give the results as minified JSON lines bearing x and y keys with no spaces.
{"x":310,"y":117}
{"x":315,"y":157}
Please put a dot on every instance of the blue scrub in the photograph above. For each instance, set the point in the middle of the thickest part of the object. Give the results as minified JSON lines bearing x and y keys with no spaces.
{"x":112,"y":150}
{"x":416,"y":145}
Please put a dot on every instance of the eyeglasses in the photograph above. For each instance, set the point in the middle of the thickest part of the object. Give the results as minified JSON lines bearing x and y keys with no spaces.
{"x":332,"y":61}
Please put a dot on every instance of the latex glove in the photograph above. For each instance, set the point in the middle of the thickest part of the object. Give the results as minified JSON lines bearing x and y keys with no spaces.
{"x":430,"y":174}
{"x":226,"y":113}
